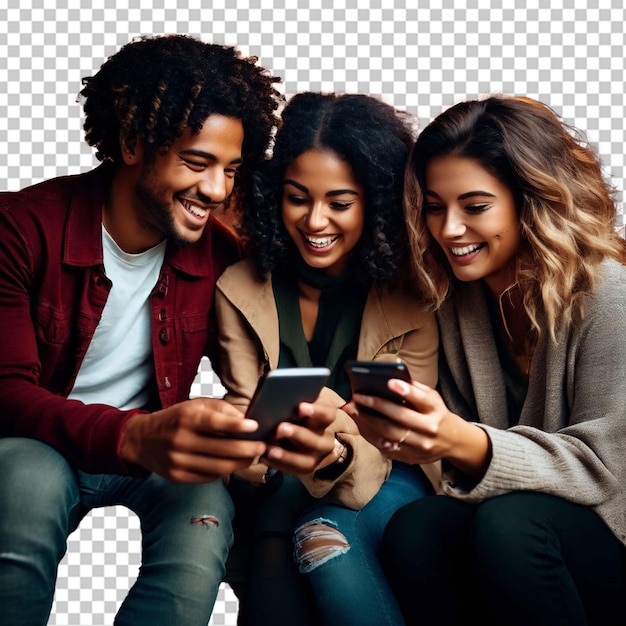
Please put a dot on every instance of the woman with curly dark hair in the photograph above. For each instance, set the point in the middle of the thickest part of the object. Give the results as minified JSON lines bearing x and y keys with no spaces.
{"x":372,"y":138}
{"x":324,"y":285}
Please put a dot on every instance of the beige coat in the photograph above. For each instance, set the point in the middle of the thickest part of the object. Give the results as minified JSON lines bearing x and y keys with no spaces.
{"x":393,"y":326}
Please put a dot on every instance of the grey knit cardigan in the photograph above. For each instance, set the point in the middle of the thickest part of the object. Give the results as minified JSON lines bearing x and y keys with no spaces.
{"x":570,"y":440}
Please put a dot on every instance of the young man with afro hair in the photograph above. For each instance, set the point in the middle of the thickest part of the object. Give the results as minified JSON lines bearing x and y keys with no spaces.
{"x":106,"y":308}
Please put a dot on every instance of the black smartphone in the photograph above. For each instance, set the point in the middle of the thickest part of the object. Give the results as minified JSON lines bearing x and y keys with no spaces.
{"x":370,"y":377}
{"x":277,"y":397}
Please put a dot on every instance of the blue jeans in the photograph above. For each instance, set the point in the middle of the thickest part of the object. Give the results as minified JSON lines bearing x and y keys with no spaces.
{"x":337,"y":548}
{"x":186,"y":531}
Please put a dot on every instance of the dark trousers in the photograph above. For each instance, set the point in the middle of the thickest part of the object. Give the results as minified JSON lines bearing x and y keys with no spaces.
{"x":522,"y":558}
{"x":261,"y":568}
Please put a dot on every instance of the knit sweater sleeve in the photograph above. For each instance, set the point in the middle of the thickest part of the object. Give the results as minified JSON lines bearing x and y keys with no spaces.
{"x":571,"y":437}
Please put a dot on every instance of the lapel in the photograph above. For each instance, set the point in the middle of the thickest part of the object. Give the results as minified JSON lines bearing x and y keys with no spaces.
{"x":254,"y":298}
{"x":386,"y":315}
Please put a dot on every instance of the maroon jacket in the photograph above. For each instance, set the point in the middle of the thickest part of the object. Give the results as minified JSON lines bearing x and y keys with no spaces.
{"x":52,"y":292}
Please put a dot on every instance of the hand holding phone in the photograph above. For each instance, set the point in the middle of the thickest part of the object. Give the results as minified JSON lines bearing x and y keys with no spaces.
{"x":277,"y":397}
{"x":370,"y":378}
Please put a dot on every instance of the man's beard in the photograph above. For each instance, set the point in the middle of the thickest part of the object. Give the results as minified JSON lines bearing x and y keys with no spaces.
{"x":156,"y":213}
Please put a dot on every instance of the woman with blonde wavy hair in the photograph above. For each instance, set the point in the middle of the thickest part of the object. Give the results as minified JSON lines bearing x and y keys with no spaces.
{"x":512,"y":229}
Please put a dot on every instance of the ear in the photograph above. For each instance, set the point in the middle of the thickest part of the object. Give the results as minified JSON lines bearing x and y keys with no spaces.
{"x":131,"y":148}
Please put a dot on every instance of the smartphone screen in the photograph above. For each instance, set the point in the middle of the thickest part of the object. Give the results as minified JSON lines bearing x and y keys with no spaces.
{"x":278,"y":394}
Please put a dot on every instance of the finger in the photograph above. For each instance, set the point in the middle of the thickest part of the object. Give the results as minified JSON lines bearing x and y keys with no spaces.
{"x":371,"y":425}
{"x":292,"y":462}
{"x":381,"y":432}
{"x":416,"y":394}
{"x":351,"y":409}
{"x":221,"y":447}
{"x":396,"y":440}
{"x":217,"y":405}
{"x":193,"y":468}
{"x":404,"y":454}
{"x":302,"y":437}
{"x":208,"y":415}
{"x":224,"y":423}
{"x":317,"y":416}
{"x":389,"y":410}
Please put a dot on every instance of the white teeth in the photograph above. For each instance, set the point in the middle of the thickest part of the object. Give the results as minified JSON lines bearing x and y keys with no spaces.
{"x":321,"y":242}
{"x":193,"y":209}
{"x":464,"y":250}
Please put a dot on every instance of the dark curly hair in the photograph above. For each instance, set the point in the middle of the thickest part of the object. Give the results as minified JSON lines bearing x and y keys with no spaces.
{"x":154,"y":88}
{"x":374,"y":139}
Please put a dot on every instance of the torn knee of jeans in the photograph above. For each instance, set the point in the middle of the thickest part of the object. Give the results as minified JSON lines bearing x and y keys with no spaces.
{"x":205,"y":520}
{"x":317,"y":542}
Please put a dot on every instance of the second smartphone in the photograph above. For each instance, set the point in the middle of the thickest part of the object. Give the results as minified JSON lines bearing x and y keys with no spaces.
{"x":278,"y":394}
{"x":370,"y":377}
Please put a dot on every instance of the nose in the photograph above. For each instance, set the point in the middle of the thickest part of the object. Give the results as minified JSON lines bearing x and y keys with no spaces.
{"x":214,"y":186}
{"x":453,"y":225}
{"x":316,"y":218}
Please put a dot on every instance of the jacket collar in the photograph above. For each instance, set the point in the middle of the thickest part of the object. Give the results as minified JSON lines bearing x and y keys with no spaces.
{"x":82,"y":242}
{"x":83,"y":231}
{"x":388,"y":314}
{"x":254,"y":297}
{"x":397,"y":313}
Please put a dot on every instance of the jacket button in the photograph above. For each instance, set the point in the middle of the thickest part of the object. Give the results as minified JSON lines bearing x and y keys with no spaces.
{"x":164,"y":335}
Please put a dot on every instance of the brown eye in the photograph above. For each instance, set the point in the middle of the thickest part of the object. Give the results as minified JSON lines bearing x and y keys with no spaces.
{"x":340,"y":206}
{"x":297,"y":200}
{"x":477,"y":208}
{"x":433,"y":208}
{"x":196,"y":166}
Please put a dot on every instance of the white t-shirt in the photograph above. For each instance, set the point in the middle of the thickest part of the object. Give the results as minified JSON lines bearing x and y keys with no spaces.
{"x":118,"y":368}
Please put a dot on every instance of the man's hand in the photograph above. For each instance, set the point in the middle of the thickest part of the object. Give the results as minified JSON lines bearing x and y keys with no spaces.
{"x":309,"y":440}
{"x":185,"y":442}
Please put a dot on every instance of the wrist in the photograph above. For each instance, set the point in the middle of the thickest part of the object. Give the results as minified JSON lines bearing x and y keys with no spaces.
{"x":474,"y":456}
{"x":332,"y":471}
{"x":342,"y":453}
{"x":127,"y":446}
{"x":268,"y":475}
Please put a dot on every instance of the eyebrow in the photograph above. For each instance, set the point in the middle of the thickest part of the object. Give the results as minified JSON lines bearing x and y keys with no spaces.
{"x":464,"y":196}
{"x":207,"y":155}
{"x":334,"y":192}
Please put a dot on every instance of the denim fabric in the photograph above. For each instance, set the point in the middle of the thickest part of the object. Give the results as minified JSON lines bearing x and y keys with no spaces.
{"x":348,"y":581}
{"x":186,"y":533}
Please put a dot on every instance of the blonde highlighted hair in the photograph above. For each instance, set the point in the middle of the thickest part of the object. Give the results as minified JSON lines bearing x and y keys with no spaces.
{"x":566,"y":208}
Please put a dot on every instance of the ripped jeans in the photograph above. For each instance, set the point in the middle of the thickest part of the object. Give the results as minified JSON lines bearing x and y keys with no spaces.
{"x":337,"y":549}
{"x":186,"y":534}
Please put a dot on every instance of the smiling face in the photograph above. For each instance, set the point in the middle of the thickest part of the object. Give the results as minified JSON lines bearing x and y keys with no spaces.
{"x":175,"y":192}
{"x":323,"y":209}
{"x":473,"y":217}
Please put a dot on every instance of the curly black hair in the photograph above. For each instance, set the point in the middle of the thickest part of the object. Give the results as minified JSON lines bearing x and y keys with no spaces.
{"x":371,"y":136}
{"x":155,"y":87}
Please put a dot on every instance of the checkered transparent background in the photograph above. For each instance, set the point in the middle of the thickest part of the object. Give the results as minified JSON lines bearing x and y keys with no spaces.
{"x":568,"y":53}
